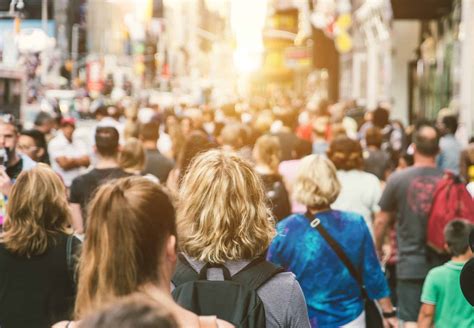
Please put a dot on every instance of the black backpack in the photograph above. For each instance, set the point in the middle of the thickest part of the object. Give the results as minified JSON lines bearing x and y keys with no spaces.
{"x":233,"y":299}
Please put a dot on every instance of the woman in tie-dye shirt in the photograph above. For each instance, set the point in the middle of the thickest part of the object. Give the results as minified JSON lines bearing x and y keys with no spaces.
{"x":333,"y":296}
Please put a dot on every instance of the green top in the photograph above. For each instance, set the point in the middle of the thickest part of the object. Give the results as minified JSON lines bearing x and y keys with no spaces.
{"x":442,"y":288}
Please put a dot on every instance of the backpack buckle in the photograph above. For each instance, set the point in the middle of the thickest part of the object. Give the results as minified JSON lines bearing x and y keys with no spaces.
{"x":315,"y":223}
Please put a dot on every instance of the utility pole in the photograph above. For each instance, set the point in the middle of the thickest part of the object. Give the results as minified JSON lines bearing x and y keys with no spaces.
{"x":44,"y":15}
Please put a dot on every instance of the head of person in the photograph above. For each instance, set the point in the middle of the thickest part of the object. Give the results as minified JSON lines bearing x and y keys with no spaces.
{"x":302,"y":148}
{"x":196,"y":143}
{"x":346,"y":154}
{"x":131,"y":242}
{"x":135,"y":311}
{"x":68,"y":125}
{"x":380,"y":117}
{"x":316,"y":185}
{"x":449,"y":124}
{"x":8,"y":135}
{"x":267,"y":151}
{"x":33,"y":217}
{"x":426,"y":141}
{"x":33,"y":144}
{"x":456,"y":236}
{"x":101,"y":112}
{"x":132,"y":156}
{"x":222,"y":215}
{"x":231,"y":136}
{"x":107,"y":142}
{"x":44,"y":122}
{"x":374,"y":137}
{"x":149,"y":132}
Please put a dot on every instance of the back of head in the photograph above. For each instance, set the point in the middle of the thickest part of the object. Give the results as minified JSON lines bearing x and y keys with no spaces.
{"x":222,"y":213}
{"x":456,"y":235}
{"x":149,"y":131}
{"x":43,"y":118}
{"x":132,"y":155}
{"x":231,"y":135}
{"x":196,"y":143}
{"x":316,"y":185}
{"x":380,"y":117}
{"x":450,"y":124}
{"x":426,"y":140}
{"x":268,"y":151}
{"x":346,"y":154}
{"x":129,"y":223}
{"x":374,"y":137}
{"x":34,"y":217}
{"x":107,"y":141}
{"x":135,"y":311}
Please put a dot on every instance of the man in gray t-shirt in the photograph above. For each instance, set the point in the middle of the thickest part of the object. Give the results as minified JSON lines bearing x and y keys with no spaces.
{"x":407,"y":199}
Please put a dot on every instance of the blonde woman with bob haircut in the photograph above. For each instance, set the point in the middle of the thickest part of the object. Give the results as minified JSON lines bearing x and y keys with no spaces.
{"x":224,"y":224}
{"x":37,"y":249}
{"x":333,"y":296}
{"x":130,"y":247}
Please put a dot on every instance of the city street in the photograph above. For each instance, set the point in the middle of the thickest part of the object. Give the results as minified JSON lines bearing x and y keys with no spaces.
{"x":236,"y":163}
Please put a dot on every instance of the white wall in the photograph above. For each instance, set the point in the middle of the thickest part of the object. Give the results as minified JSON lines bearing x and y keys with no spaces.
{"x":405,"y":38}
{"x":467,"y":70}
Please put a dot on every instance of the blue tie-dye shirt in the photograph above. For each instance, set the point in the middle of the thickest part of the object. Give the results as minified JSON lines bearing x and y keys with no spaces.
{"x":332,"y":295}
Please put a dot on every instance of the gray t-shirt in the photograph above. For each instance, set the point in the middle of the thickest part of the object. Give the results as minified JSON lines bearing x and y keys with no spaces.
{"x":410,"y":193}
{"x":282,"y":297}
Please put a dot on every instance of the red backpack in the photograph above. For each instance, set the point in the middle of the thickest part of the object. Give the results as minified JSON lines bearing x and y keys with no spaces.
{"x":451,"y":201}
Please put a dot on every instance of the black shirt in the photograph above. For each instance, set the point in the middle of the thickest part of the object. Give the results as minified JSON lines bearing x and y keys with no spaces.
{"x":157,"y":165}
{"x":277,"y":195}
{"x":15,"y":170}
{"x":84,"y":186}
{"x":37,"y":291}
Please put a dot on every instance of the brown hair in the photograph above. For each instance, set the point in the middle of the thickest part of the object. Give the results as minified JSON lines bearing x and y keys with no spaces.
{"x":268,"y":151}
{"x":129,"y":222}
{"x":346,"y":154}
{"x":37,"y":210}
{"x":132,"y":156}
{"x":150,"y":131}
{"x":136,"y":310}
{"x":374,"y":137}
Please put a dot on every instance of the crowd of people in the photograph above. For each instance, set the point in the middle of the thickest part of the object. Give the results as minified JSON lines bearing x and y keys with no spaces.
{"x":261,"y":214}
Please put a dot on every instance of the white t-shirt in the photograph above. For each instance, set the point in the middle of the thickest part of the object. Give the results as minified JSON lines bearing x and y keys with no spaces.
{"x":61,"y":147}
{"x":360,"y":193}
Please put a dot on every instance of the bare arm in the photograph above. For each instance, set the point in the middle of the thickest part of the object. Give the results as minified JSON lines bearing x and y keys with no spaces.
{"x":67,"y":163}
{"x":425,"y":318}
{"x":77,"y":222}
{"x":387,"y":307}
{"x":382,"y":221}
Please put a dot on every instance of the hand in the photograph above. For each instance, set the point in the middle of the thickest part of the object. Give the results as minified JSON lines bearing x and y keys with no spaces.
{"x":5,"y":182}
{"x":390,"y":322}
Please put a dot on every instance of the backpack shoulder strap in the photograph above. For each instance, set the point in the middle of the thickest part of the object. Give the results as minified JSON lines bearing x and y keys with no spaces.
{"x":256,"y":273}
{"x":69,"y":255}
{"x":316,"y":224}
{"x":184,"y":272}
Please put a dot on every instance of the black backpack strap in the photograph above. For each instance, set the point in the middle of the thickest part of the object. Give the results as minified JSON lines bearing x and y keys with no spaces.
{"x":316,"y":224}
{"x":256,"y":273}
{"x":184,"y":272}
{"x":69,"y":256}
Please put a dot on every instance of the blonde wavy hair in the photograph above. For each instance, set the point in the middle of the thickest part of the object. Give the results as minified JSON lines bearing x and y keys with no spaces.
{"x":222,"y":214}
{"x":37,"y":210}
{"x":316,"y":184}
{"x":268,"y":151}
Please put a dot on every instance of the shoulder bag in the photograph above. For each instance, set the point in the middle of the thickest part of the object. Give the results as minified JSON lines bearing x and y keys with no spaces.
{"x":373,"y":316}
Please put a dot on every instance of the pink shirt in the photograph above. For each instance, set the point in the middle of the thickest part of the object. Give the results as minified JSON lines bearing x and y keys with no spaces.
{"x":289,"y":170}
